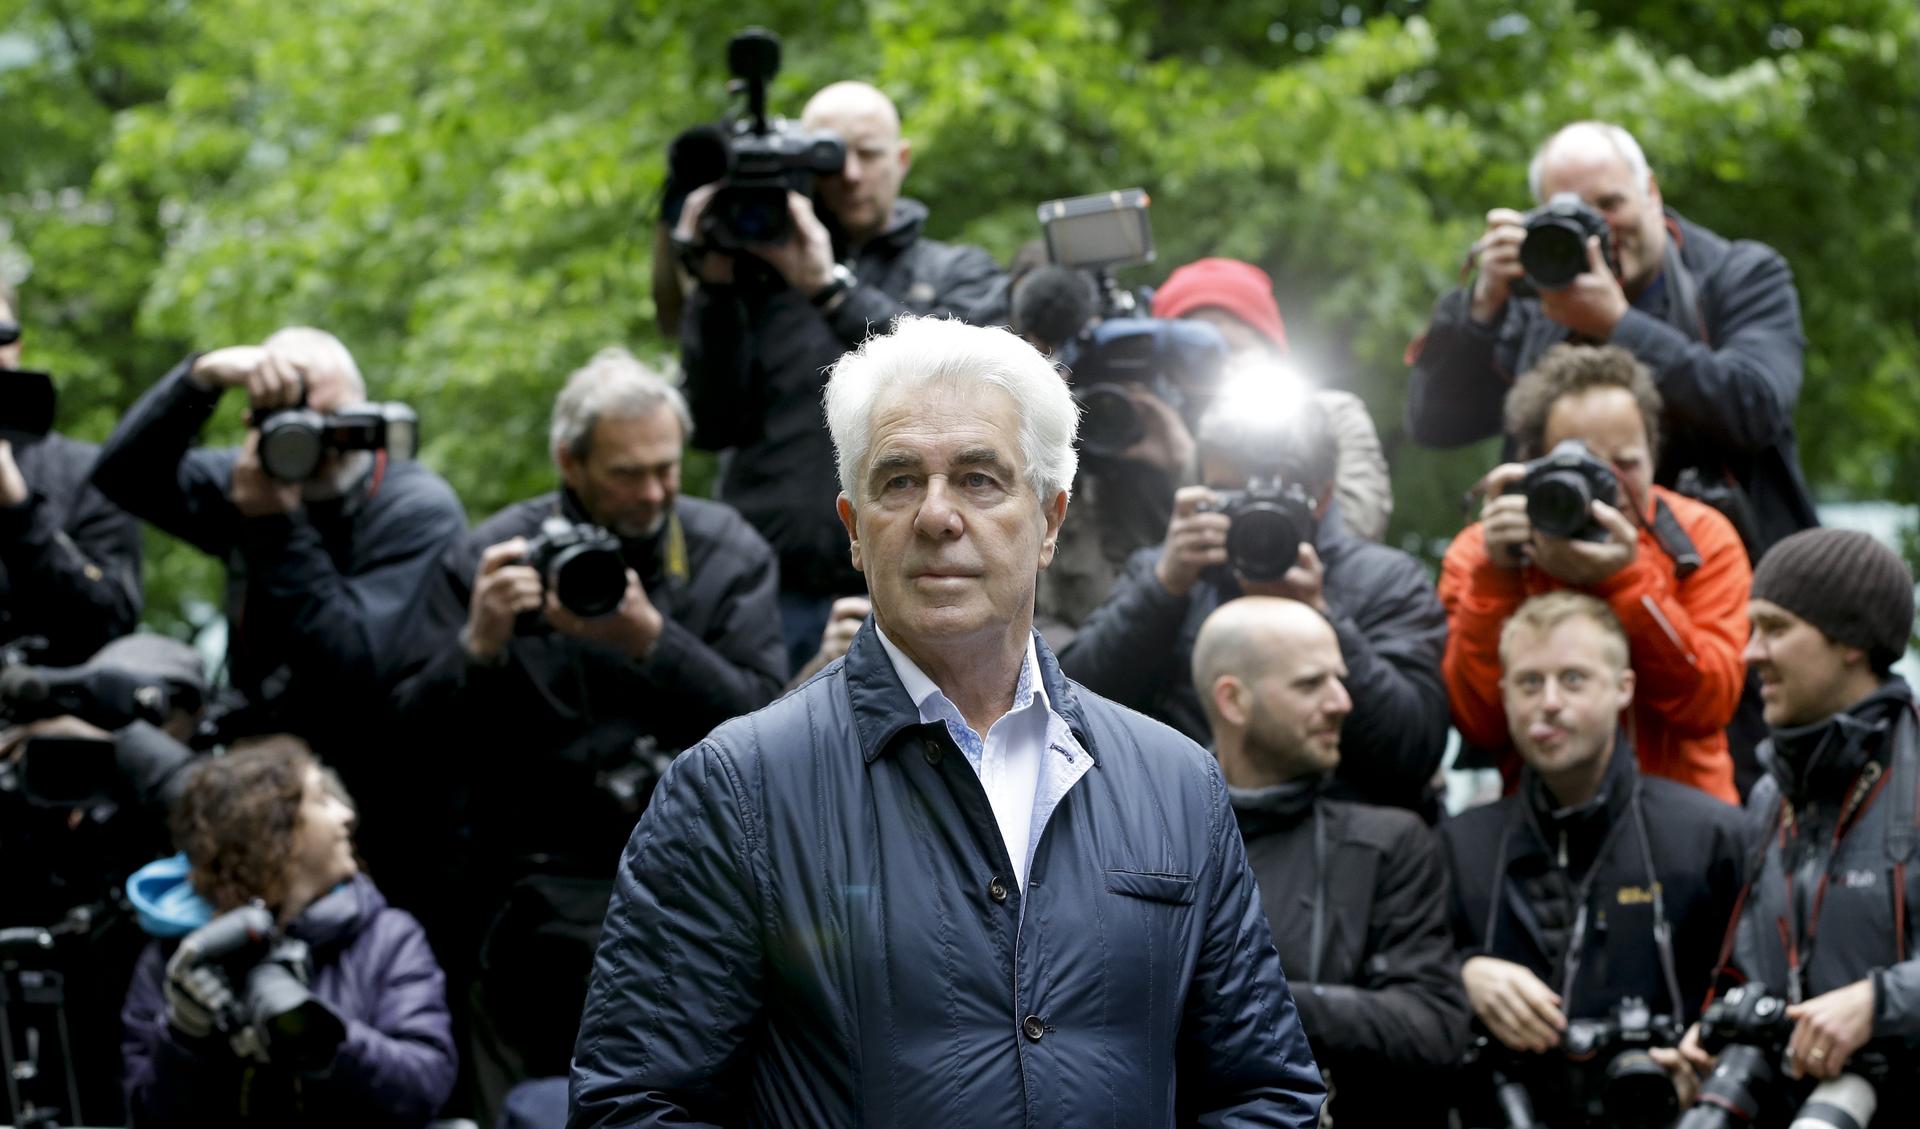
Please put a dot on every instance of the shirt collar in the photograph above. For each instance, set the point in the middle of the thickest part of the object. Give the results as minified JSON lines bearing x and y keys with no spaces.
{"x":922,"y":690}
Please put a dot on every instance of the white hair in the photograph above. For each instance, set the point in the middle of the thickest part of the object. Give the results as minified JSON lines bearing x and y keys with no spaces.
{"x":613,"y":385}
{"x":318,"y":351}
{"x":920,"y":351}
{"x":1619,"y":139}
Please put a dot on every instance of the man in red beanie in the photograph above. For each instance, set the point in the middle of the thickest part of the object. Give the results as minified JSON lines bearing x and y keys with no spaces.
{"x":1237,"y":299}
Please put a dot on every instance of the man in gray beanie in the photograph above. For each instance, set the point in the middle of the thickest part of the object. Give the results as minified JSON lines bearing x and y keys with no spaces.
{"x":1826,"y":921}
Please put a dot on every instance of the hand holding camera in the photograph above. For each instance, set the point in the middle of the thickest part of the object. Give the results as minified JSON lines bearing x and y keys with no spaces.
{"x":253,"y":491}
{"x":1516,"y":1006}
{"x":1556,"y":512}
{"x":13,"y":485}
{"x":271,"y":381}
{"x":276,"y":1018}
{"x":577,"y":575}
{"x":504,"y":589}
{"x":1497,"y":252}
{"x":1196,"y":541}
{"x":1592,"y":302}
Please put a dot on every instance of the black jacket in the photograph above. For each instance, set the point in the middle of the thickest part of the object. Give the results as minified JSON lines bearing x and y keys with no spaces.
{"x":1872,"y":879}
{"x":1138,"y":650}
{"x":816,"y":923}
{"x":314,"y":597}
{"x":69,"y":559}
{"x":1729,"y":391}
{"x":558,"y":711}
{"x":1381,"y":998}
{"x":756,"y":361}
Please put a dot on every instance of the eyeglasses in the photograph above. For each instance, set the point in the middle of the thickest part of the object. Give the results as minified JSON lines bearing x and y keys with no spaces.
{"x":9,"y":333}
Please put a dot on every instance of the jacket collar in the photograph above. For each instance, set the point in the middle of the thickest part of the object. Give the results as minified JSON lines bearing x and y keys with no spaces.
{"x":1261,"y":811}
{"x":909,"y":216}
{"x":1820,"y":760}
{"x":1584,"y":825}
{"x":882,"y":708}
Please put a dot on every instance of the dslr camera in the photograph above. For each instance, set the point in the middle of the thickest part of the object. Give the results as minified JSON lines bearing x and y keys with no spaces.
{"x":295,"y":441}
{"x":756,"y":159}
{"x":1165,"y":357}
{"x":580,"y":564}
{"x":274,"y":1006}
{"x":1271,"y":518}
{"x":1561,"y":487}
{"x":1601,"y":1075}
{"x":1554,"y":251}
{"x":1748,"y":1029}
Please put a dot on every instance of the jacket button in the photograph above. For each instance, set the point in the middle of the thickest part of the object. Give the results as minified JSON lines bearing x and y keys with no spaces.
{"x":1034,"y":1026}
{"x":931,"y":751}
{"x":997,"y":890}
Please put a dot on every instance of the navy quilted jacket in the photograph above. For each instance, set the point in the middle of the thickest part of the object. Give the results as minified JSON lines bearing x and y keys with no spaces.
{"x":815,"y":924}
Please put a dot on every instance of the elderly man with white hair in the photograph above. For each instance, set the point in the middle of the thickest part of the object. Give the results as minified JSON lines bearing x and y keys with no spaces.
{"x":940,"y":884}
{"x":319,"y":570}
{"x":1716,"y":320}
{"x":565,"y":673}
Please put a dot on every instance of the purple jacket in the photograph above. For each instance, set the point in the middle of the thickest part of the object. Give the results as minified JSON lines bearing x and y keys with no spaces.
{"x":372,"y":966}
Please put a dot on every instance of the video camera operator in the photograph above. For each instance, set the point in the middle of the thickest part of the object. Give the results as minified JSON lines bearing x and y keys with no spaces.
{"x":281,"y":989}
{"x":765,"y":320}
{"x":584,"y":637}
{"x":1266,"y":523}
{"x":90,"y":758}
{"x":69,"y":559}
{"x":1356,"y":894}
{"x":1584,"y":514}
{"x":1825,"y":920}
{"x":1606,"y":262}
{"x":1593,"y":895}
{"x":329,"y":531}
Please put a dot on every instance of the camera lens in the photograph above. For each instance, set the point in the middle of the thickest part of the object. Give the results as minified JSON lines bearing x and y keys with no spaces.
{"x":1741,"y":1085}
{"x":1559,"y":503}
{"x":588,"y":580}
{"x":1554,"y":252}
{"x":1638,"y":1093}
{"x":754,"y":215}
{"x":291,"y":445}
{"x":300,"y":1030}
{"x":1846,"y":1102}
{"x":1109,"y":423}
{"x":1264,"y":540}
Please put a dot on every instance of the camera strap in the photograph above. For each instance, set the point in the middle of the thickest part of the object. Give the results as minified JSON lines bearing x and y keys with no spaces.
{"x":1867,"y":785}
{"x":1683,"y":290}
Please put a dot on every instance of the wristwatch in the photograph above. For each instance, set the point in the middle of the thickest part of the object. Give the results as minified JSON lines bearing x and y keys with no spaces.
{"x":839,"y":281}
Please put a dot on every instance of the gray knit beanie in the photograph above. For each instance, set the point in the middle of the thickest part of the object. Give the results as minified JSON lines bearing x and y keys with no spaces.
{"x":1850,"y":586}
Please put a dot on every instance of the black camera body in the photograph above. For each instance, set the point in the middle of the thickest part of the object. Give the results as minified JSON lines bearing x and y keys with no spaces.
{"x":580,"y":564}
{"x":1561,"y":487}
{"x":763,"y":160}
{"x":1554,"y":251}
{"x":1271,"y":518}
{"x":1600,"y":1075}
{"x":294,"y":441}
{"x":1748,"y":1030}
{"x":1166,"y":357}
{"x":274,"y":1000}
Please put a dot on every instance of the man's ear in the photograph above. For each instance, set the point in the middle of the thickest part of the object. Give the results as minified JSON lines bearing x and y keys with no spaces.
{"x":851,"y":521}
{"x":571,"y":472}
{"x":1626,"y":689}
{"x":1231,"y":700}
{"x":1055,"y":515}
{"x":906,"y":156}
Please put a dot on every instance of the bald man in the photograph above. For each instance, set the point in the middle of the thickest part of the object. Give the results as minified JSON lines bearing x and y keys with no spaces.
{"x":761,"y":330}
{"x":318,"y":572}
{"x":1356,"y":895}
{"x":1718,"y":322}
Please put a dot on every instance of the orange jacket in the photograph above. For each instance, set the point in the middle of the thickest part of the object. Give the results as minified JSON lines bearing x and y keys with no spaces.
{"x":1685,"y":636}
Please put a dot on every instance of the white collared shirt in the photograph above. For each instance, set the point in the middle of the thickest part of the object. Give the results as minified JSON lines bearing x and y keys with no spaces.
{"x":1027,"y":762}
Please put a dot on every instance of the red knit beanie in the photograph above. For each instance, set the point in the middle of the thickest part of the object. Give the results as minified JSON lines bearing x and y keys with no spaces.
{"x":1240,"y":289}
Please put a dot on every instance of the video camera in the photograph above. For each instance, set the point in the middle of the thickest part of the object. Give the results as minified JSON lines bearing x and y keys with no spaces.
{"x":294,"y":441}
{"x":69,"y":772}
{"x":1748,"y":1030}
{"x":756,"y":159}
{"x":1554,"y":251}
{"x":580,"y":564}
{"x":1561,"y":487}
{"x":276,"y":1006}
{"x":1601,"y":1073}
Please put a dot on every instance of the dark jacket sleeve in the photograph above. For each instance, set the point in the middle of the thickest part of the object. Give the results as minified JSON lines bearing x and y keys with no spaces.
{"x":344,"y":625}
{"x":148,"y":466}
{"x":1392,"y":644}
{"x":1409,"y":1007}
{"x":1739,"y":391}
{"x":82,"y":580}
{"x":1243,"y":1059}
{"x":680,"y":974}
{"x":1123,"y":651}
{"x":399,"y":1069}
{"x":739,"y":669}
{"x":1455,"y":391}
{"x":968,"y":285}
{"x":167,"y":1083}
{"x":716,"y":355}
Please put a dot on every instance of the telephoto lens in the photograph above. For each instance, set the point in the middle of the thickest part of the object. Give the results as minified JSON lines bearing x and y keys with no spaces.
{"x":1742,"y":1086}
{"x":300,"y":1031}
{"x":1846,"y":1102}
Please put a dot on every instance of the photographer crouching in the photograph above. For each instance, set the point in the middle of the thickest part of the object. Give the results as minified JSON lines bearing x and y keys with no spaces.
{"x":1266,"y":523}
{"x":283,"y":991}
{"x":583,"y":637}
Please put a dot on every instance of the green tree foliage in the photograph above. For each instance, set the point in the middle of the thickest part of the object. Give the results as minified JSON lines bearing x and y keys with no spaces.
{"x":464,"y":191}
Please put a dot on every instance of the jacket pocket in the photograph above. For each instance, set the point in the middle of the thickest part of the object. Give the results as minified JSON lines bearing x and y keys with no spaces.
{"x":1176,"y":889}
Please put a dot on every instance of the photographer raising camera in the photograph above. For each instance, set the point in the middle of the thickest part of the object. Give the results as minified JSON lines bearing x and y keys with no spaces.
{"x":294,"y":996}
{"x":1586,"y":515}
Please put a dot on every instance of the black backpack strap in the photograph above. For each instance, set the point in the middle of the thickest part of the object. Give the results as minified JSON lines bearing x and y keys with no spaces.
{"x":1674,"y":540}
